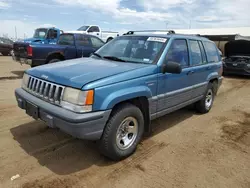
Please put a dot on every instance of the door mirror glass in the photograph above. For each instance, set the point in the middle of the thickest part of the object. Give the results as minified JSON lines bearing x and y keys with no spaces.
{"x":171,"y":67}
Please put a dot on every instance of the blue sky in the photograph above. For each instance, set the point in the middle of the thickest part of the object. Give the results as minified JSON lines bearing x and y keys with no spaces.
{"x":121,"y":15}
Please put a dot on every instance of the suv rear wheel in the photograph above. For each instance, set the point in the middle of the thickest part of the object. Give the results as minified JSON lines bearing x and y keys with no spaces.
{"x":123,"y":132}
{"x":206,"y":103}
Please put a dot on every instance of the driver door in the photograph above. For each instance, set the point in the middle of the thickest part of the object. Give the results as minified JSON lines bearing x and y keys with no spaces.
{"x":175,"y":89}
{"x":52,"y":36}
{"x":94,"y":30}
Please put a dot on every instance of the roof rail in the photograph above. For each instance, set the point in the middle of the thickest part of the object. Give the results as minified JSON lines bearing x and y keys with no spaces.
{"x":148,"y":31}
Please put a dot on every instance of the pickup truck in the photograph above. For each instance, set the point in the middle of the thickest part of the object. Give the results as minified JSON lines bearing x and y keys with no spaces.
{"x":44,"y":36}
{"x":69,"y":46}
{"x":95,"y":30}
{"x":113,"y":95}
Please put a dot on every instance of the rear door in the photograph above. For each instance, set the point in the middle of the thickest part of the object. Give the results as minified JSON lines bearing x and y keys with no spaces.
{"x":83,"y":45}
{"x":200,"y":67}
{"x":68,"y":40}
{"x":203,"y":56}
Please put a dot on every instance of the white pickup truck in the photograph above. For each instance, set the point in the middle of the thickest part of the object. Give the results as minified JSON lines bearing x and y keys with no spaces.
{"x":106,"y":36}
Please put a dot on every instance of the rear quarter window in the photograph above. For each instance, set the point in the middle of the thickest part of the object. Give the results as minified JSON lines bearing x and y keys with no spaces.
{"x":212,"y":52}
{"x":66,"y":40}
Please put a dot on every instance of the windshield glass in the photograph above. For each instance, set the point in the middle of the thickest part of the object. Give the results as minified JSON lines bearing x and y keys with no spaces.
{"x":66,"y":39}
{"x":83,"y":28}
{"x":136,"y":49}
{"x":40,"y":33}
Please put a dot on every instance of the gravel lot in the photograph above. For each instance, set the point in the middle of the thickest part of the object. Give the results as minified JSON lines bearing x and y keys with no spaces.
{"x":185,"y":150}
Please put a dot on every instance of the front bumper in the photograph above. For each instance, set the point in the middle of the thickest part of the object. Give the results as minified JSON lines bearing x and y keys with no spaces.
{"x":87,"y":126}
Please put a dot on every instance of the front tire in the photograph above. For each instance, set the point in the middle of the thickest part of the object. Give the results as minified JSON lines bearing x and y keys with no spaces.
{"x":109,"y":39}
{"x":123,"y":132}
{"x":205,"y":104}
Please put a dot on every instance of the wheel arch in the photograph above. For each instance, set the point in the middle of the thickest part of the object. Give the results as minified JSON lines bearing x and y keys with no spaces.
{"x":55,"y":55}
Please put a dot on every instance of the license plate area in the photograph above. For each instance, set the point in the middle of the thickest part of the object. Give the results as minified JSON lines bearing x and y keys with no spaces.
{"x":32,"y":110}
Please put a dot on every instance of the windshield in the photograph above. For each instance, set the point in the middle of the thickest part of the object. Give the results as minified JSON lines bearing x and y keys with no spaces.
{"x":83,"y":28}
{"x":66,"y":39}
{"x":40,"y":33}
{"x":136,"y":49}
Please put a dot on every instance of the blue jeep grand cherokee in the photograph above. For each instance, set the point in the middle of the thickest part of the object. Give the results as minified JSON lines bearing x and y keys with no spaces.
{"x":113,"y":95}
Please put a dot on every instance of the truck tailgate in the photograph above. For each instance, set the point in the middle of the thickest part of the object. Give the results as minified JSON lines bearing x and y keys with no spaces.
{"x":20,"y":50}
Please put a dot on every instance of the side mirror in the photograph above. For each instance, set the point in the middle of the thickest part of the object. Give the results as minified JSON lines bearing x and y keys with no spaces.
{"x":171,"y":67}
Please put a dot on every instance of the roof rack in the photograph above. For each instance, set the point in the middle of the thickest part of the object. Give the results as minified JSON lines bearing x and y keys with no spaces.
{"x":149,"y":31}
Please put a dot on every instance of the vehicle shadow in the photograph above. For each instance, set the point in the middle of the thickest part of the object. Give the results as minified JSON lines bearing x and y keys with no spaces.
{"x":238,"y":77}
{"x":63,"y":154}
{"x":18,"y":73}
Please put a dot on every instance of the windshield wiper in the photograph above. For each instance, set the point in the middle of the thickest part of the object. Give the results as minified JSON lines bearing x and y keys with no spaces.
{"x":96,"y":54}
{"x":114,"y":58}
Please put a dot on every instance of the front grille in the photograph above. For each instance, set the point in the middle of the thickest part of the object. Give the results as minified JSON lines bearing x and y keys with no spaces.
{"x":46,"y":90}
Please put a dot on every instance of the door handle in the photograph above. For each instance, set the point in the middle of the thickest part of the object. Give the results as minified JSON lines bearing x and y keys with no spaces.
{"x":97,"y":33}
{"x":190,"y":72}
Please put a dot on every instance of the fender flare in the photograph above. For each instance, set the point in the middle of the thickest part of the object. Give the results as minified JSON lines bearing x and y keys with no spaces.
{"x":124,"y":95}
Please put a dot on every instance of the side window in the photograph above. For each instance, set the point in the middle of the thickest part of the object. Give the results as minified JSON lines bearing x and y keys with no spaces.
{"x":211,"y":52}
{"x":66,"y":39}
{"x":82,"y":40}
{"x":195,"y":52}
{"x":95,"y":29}
{"x":91,"y":29}
{"x":52,"y":34}
{"x":203,"y":53}
{"x":178,"y":52}
{"x":96,"y":43}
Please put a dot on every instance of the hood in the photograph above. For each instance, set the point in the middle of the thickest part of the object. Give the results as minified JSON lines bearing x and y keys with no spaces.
{"x":237,"y":48}
{"x":78,"y":72}
{"x":32,"y":40}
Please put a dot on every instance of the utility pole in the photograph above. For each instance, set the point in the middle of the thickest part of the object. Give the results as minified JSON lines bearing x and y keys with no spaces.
{"x":15,"y":32}
{"x":190,"y":22}
{"x":166,"y":25}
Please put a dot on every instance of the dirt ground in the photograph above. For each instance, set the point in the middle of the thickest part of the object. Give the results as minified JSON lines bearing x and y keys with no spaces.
{"x":185,"y":150}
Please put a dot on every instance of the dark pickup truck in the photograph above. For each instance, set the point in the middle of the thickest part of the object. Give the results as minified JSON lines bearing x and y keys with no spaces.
{"x":69,"y":46}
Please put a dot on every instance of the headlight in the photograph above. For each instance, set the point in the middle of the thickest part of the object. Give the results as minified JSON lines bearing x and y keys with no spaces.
{"x":77,"y":100}
{"x":25,"y":80}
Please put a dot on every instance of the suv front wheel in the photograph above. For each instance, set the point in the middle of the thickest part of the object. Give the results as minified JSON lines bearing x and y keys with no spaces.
{"x":123,"y":132}
{"x":206,"y":103}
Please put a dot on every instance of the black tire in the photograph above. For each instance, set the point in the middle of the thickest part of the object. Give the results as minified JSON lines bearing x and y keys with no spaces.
{"x":5,"y":53}
{"x":202,"y":105}
{"x":108,"y":143}
{"x":54,"y":60}
{"x":109,"y":39}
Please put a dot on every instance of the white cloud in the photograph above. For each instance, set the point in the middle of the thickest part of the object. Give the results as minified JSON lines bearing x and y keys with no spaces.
{"x":163,"y":5}
{"x":47,"y":25}
{"x":103,"y":5}
{"x":111,"y":7}
{"x":21,"y":28}
{"x":4,"y":5}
